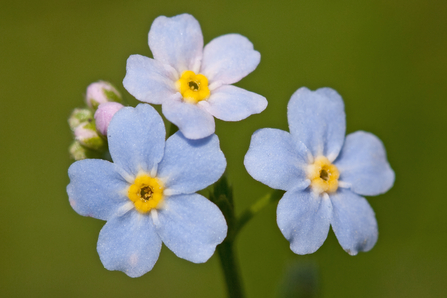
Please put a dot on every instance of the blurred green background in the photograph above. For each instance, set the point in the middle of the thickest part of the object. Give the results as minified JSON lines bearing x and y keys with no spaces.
{"x":388,"y":59}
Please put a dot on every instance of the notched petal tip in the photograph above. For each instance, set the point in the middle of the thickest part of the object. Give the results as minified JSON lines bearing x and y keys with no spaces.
{"x":329,"y":93}
{"x":364,"y":246}
{"x":351,"y":252}
{"x":177,"y":41}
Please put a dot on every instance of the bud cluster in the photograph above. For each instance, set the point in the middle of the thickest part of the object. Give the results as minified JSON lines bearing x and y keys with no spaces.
{"x":89,"y":124}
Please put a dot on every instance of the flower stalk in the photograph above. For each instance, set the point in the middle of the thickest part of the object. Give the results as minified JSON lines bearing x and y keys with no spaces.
{"x":222,"y":196}
{"x":231,"y":269}
{"x":256,"y":208}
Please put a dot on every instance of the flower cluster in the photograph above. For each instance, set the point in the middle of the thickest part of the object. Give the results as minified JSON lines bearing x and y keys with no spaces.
{"x":147,"y":192}
{"x":89,"y":124}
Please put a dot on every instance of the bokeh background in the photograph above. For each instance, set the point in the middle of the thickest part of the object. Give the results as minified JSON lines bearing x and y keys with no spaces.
{"x":388,"y":59}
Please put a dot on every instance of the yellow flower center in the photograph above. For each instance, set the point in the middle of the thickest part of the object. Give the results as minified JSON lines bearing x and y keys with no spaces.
{"x":146,"y":193}
{"x":193,"y":87}
{"x":323,"y":175}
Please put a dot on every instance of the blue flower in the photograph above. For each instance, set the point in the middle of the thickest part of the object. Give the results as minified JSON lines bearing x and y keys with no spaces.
{"x":147,"y":196}
{"x":192,"y":83}
{"x":323,"y":174}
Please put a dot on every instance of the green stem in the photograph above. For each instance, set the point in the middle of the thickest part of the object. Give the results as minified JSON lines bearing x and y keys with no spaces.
{"x":222,"y":196}
{"x":227,"y":256}
{"x":255,"y":209}
{"x":230,"y":267}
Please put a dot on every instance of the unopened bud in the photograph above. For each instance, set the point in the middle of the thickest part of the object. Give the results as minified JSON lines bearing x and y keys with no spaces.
{"x":104,"y":114}
{"x":87,"y":136}
{"x":78,"y":152}
{"x":79,"y":116}
{"x":101,"y":92}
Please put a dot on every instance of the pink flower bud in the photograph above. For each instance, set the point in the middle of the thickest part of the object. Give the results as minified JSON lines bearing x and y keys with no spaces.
{"x":104,"y":114}
{"x":101,"y":92}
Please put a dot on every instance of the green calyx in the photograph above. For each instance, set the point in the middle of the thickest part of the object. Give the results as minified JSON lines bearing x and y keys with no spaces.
{"x":78,"y":117}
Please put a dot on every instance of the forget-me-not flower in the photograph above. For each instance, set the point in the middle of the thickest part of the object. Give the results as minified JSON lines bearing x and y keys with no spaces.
{"x":192,"y":82}
{"x":323,"y":173}
{"x":147,"y":195}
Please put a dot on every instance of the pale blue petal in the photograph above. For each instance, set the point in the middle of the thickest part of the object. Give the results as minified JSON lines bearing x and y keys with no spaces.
{"x":177,"y":41}
{"x":353,"y":222}
{"x":129,"y":243}
{"x":96,"y":188}
{"x":274,"y":159}
{"x":231,"y":103}
{"x":149,"y":80}
{"x":229,"y":58}
{"x":191,"y":226}
{"x":363,"y":164}
{"x":191,"y":119}
{"x":191,"y":165}
{"x":317,"y":118}
{"x":304,"y":219}
{"x":136,"y":138}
